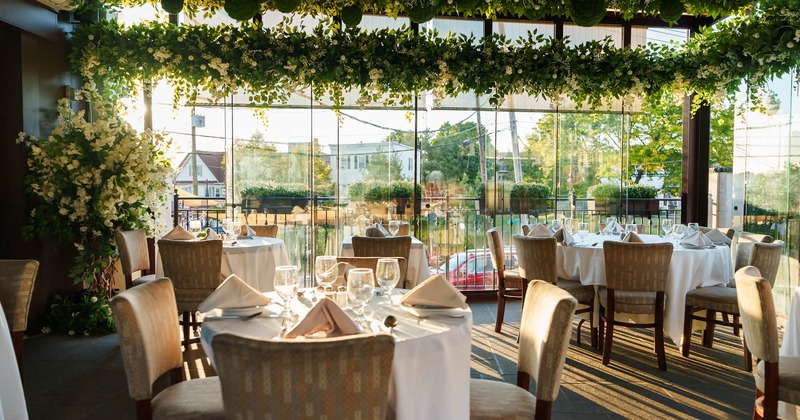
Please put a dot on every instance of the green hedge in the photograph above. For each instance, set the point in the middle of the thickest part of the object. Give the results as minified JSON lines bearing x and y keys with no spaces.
{"x":277,"y":190}
{"x":530,"y":190}
{"x":610,"y":190}
{"x":378,"y":191}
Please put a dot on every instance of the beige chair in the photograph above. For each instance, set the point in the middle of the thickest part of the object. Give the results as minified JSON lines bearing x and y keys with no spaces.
{"x":543,"y":342}
{"x":363,"y":262}
{"x":16,"y":288}
{"x":510,"y":285}
{"x":537,"y":261}
{"x":150,"y":346}
{"x":195,"y":268}
{"x":405,"y":229}
{"x":636,"y":283}
{"x":398,"y":246}
{"x":526,"y":229}
{"x":775,"y":376}
{"x":274,"y":379}
{"x":744,"y":247}
{"x":134,"y":256}
{"x":725,"y":231}
{"x":764,"y":256}
{"x":264,"y":231}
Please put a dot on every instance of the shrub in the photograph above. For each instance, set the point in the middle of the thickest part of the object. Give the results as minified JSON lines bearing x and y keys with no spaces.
{"x":530,"y":190}
{"x":277,"y":190}
{"x":84,"y":313}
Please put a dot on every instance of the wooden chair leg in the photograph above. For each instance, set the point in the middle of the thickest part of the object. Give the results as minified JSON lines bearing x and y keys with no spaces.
{"x":501,"y":310}
{"x":687,"y":331}
{"x":736,"y":324}
{"x":195,"y":324}
{"x":544,"y":410}
{"x":748,"y":358}
{"x":662,"y":358}
{"x":144,"y":410}
{"x":16,"y":341}
{"x":758,"y":407}
{"x":185,"y":325}
{"x":769,"y":402}
{"x":708,"y":333}
{"x":523,"y":380}
{"x":609,"y":328}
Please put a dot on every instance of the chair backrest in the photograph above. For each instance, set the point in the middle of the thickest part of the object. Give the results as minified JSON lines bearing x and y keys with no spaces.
{"x":526,"y":229}
{"x":349,"y":379}
{"x":544,"y":333}
{"x":757,"y":312}
{"x":265,"y":231}
{"x":405,"y":228}
{"x":195,"y":268}
{"x":16,"y":288}
{"x":398,"y":246}
{"x":365,"y":262}
{"x":637,"y":266}
{"x":744,"y":247}
{"x":536,"y":258}
{"x":729,"y":232}
{"x":148,"y":338}
{"x":133,"y":253}
{"x":767,"y":258}
{"x":495,"y":242}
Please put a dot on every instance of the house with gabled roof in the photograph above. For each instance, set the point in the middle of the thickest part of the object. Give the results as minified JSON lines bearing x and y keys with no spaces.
{"x":210,"y":174}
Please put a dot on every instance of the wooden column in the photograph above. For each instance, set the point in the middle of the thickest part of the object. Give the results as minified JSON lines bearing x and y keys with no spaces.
{"x":694,"y":167}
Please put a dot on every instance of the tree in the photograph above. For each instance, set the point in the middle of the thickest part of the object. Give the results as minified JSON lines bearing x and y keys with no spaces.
{"x":378,"y":167}
{"x":453,"y":153}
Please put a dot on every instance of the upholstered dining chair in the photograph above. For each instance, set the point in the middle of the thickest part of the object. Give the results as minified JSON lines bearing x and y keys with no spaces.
{"x":16,"y":288}
{"x":134,"y":256}
{"x":775,"y":375}
{"x":510,"y":285}
{"x":195,"y":268}
{"x":273,"y":379}
{"x":150,"y":346}
{"x":723,"y":299}
{"x":537,"y":261}
{"x":364,"y":262}
{"x":373,"y":232}
{"x":636,"y":283}
{"x":398,"y":246}
{"x":545,"y":329}
{"x":745,"y":245}
{"x":265,"y":231}
{"x":405,"y":228}
{"x":526,"y":229}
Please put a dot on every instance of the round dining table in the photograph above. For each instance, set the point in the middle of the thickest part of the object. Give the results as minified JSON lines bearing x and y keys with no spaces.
{"x":689,"y":268}
{"x":431,"y":365}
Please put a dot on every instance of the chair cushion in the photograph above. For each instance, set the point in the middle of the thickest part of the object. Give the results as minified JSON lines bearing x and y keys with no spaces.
{"x":582,"y":293}
{"x":789,"y":378}
{"x":499,"y":400}
{"x":630,"y":302}
{"x":513,"y":279}
{"x":718,"y":298}
{"x":144,"y":279}
{"x":194,"y":399}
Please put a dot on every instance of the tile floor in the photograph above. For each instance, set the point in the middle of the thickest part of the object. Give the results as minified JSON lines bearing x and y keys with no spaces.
{"x":82,"y":377}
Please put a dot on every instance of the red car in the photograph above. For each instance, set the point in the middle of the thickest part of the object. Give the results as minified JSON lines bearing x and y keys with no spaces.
{"x":473,"y":269}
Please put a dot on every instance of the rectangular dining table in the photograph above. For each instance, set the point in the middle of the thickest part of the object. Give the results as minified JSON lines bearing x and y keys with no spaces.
{"x":417,"y":261}
{"x":431,"y":364}
{"x":689,"y":269}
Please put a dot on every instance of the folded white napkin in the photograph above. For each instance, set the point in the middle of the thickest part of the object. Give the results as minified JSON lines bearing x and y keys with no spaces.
{"x":632,"y":237}
{"x":178,"y":233}
{"x":325,"y":317}
{"x":563,"y":236}
{"x":247,"y":232}
{"x":540,"y":231}
{"x":435,"y":291}
{"x":696,"y":240}
{"x":717,"y":237}
{"x":612,"y":227}
{"x":233,"y":293}
{"x":210,"y":234}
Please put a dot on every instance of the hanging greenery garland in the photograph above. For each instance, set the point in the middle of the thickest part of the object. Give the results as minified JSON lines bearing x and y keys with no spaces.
{"x":390,"y":66}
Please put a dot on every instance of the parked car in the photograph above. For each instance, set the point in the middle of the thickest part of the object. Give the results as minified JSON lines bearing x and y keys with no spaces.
{"x":472,"y":269}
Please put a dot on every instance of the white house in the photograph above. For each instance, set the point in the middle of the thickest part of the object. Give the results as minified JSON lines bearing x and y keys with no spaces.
{"x":353,"y":160}
{"x":210,"y":174}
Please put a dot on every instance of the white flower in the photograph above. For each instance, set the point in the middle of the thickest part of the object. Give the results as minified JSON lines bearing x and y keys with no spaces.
{"x":93,"y":299}
{"x":71,"y":332}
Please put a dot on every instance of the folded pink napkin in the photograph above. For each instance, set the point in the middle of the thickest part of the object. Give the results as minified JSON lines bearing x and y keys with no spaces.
{"x":178,"y":233}
{"x":210,"y":234}
{"x":717,"y":237}
{"x":540,"y":231}
{"x":233,"y":293}
{"x":632,"y":237}
{"x":325,"y":317}
{"x":435,"y":291}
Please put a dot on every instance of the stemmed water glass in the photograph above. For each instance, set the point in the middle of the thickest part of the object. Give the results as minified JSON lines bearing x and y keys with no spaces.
{"x":359,"y":290}
{"x":286,"y":284}
{"x":325,"y":271}
{"x":394,"y":227}
{"x":387,"y":273}
{"x":678,"y":231}
{"x":666,"y":226}
{"x":631,"y":228}
{"x":568,"y":224}
{"x":583,"y":230}
{"x":692,"y":228}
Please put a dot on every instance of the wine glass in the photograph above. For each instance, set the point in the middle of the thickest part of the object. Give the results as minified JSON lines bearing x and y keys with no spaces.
{"x":583,"y":230}
{"x":359,"y":290}
{"x":631,"y":228}
{"x":195,"y":226}
{"x":556,"y":225}
{"x":568,"y":224}
{"x":227,"y":227}
{"x":678,"y":231}
{"x":666,"y":226}
{"x":325,"y":271}
{"x":387,"y":273}
{"x":692,"y":228}
{"x":394,"y":227}
{"x":286,"y":284}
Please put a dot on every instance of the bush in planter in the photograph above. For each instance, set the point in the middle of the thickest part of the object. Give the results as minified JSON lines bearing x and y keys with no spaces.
{"x":639,"y":191}
{"x":275,"y":196}
{"x":527,"y":196}
{"x":607,"y":197}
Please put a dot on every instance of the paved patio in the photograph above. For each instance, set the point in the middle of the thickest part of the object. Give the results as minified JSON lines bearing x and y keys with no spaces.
{"x":82,"y":377}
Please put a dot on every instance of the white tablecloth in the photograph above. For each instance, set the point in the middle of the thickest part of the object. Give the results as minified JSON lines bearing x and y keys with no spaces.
{"x":689,"y":269}
{"x":417,"y":261}
{"x":430,"y":371}
{"x":791,"y":347}
{"x":12,"y":398}
{"x":253,"y":260}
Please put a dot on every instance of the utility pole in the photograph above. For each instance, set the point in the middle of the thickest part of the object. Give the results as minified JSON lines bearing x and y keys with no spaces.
{"x":197,"y":121}
{"x":480,"y":140}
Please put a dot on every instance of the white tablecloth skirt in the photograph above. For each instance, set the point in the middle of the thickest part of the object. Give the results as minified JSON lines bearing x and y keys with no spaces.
{"x":791,"y":347}
{"x":12,"y":398}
